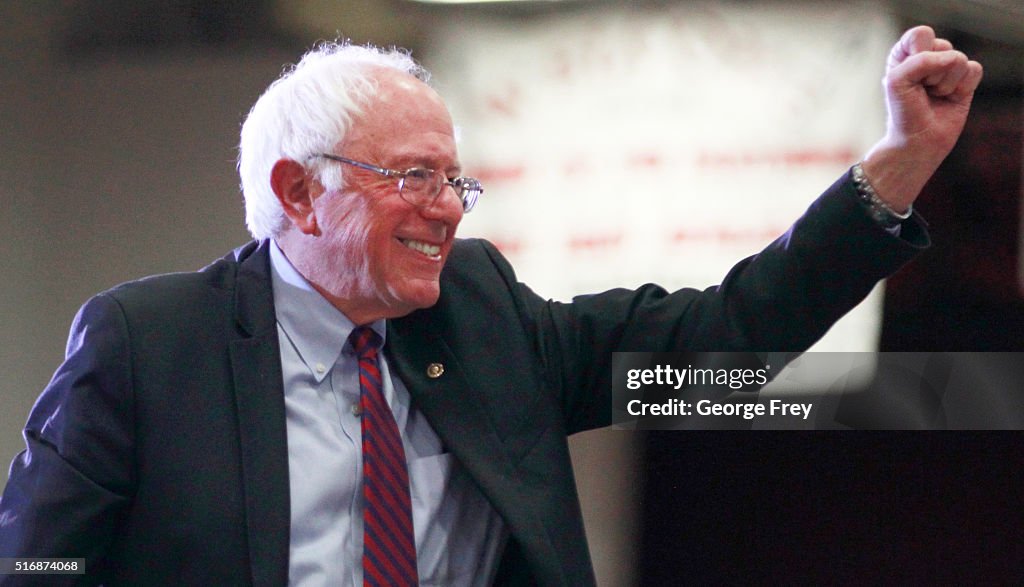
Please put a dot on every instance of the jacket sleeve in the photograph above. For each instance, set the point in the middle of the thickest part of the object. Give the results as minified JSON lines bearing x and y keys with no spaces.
{"x":65,"y":490}
{"x":781,"y":300}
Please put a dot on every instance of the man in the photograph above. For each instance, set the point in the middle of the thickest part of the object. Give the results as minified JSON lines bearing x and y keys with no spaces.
{"x":225,"y":427}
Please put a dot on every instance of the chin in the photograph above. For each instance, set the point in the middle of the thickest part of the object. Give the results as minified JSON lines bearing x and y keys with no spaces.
{"x":428,"y":300}
{"x":418,"y":299}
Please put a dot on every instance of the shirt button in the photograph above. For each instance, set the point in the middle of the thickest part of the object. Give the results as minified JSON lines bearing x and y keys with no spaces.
{"x":357,"y":410}
{"x":320,"y":368}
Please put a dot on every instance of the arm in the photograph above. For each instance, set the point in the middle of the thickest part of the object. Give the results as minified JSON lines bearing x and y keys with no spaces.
{"x":781,"y":300}
{"x":787,"y":296}
{"x":75,"y":474}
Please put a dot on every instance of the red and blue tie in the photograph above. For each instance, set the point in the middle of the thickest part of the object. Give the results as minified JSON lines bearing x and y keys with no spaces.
{"x":389,"y":546}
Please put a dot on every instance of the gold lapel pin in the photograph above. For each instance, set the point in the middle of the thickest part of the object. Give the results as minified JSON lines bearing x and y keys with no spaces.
{"x":435,"y":370}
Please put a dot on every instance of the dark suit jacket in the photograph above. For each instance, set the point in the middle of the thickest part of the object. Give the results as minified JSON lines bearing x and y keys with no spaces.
{"x":158,"y":451}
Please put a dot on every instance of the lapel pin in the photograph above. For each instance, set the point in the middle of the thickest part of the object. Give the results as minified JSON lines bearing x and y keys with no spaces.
{"x":435,"y":370}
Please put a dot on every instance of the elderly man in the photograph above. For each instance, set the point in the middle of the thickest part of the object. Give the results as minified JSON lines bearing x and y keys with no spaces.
{"x":356,"y":396}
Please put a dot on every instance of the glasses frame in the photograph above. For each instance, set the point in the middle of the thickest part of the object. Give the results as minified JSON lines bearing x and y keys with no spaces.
{"x":468,"y":189}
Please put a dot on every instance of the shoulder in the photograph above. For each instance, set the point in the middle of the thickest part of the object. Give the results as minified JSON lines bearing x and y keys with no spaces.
{"x":480,"y":293}
{"x":185,"y":296}
{"x":473,"y":250}
{"x":477,"y":260}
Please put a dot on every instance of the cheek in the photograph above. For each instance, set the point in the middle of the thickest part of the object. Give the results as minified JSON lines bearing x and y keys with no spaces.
{"x":344,"y":226}
{"x":344,"y":223}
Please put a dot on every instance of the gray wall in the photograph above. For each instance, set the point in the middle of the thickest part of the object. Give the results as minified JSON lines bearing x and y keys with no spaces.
{"x":110,"y":170}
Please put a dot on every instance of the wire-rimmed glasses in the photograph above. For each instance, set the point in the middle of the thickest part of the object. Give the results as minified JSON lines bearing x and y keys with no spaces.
{"x":420,"y":186}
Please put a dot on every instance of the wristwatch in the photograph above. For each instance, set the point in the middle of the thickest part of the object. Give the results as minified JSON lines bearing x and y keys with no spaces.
{"x":879,"y":211}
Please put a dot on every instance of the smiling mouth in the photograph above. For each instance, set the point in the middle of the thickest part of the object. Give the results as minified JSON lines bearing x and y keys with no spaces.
{"x":422,"y":247}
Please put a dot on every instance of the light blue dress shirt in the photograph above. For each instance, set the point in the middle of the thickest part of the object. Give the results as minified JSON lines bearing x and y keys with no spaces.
{"x":458,"y":534}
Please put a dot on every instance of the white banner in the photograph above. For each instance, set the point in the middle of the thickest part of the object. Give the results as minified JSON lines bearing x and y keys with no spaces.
{"x":623,"y":146}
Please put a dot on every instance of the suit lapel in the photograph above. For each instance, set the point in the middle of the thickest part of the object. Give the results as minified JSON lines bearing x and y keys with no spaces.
{"x":439,"y":389}
{"x":465,"y":426}
{"x":259,"y":399}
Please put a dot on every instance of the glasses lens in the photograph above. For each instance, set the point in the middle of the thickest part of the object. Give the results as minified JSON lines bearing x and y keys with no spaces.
{"x":468,"y":189}
{"x":420,"y":186}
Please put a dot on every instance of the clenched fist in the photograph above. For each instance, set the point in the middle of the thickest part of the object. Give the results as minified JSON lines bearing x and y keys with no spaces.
{"x":929,"y":86}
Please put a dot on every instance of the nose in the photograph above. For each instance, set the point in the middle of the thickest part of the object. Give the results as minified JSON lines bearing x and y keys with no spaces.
{"x":447,"y":207}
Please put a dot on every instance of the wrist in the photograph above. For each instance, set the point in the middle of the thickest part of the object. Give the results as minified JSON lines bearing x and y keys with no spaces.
{"x":897,"y":174}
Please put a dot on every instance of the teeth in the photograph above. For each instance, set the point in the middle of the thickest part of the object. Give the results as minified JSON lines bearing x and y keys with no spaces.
{"x":428,"y":250}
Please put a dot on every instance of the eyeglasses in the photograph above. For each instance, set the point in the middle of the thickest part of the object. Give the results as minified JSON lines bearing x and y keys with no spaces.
{"x":419,"y":186}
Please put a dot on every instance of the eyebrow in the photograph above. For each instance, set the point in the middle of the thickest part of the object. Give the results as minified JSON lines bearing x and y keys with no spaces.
{"x":408,"y":162}
{"x":415,"y":159}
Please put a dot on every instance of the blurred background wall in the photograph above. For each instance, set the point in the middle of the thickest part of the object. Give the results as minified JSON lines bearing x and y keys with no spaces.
{"x":120,"y":120}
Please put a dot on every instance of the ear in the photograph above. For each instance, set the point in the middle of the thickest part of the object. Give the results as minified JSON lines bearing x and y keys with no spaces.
{"x":296,"y":191}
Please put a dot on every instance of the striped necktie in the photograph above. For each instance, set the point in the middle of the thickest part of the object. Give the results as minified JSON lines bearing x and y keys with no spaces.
{"x":389,"y":547}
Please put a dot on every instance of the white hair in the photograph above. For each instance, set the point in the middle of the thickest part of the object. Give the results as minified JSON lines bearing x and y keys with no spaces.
{"x":307,"y":111}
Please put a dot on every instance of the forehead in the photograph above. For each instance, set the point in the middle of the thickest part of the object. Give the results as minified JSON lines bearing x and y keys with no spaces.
{"x":405,"y":119}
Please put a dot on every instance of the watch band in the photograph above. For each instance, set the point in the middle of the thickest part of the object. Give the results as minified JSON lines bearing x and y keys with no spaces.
{"x":879,"y":211}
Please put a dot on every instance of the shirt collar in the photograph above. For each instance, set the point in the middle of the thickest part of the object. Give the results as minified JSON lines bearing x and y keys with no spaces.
{"x":317,"y":329}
